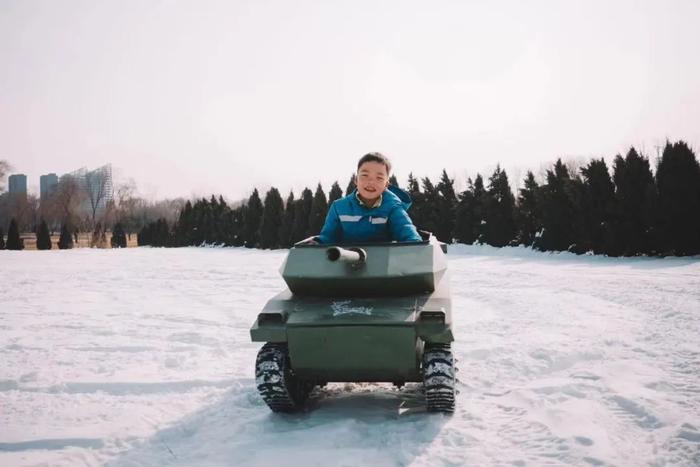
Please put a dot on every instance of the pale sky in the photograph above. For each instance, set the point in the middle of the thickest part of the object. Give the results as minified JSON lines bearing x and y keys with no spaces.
{"x":200,"y":97}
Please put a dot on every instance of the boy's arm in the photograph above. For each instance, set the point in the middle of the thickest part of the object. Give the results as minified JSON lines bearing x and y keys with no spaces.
{"x":330,"y":233}
{"x":402,"y":228}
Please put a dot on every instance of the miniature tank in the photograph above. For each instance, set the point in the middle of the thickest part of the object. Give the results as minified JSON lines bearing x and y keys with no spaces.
{"x":376,"y":312}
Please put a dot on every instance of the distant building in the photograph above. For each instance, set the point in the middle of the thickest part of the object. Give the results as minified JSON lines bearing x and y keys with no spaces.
{"x":18,"y":184}
{"x":48,"y":184}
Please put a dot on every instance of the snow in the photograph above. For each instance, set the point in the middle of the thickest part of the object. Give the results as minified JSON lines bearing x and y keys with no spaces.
{"x":143,"y":357}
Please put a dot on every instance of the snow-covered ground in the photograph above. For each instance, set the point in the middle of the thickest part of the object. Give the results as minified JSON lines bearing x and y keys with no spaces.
{"x":143,"y":357}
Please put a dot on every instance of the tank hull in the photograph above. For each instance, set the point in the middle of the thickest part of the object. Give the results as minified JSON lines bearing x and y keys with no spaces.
{"x":355,"y":339}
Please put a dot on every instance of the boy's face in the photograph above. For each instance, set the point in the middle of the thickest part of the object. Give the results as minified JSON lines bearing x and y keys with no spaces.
{"x":372,"y":180}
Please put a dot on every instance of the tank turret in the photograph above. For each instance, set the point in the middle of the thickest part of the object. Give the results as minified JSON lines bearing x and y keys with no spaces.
{"x":367,"y":270}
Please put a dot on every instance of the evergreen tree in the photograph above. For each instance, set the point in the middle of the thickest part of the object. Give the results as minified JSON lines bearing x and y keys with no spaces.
{"x":444,"y":208}
{"x":463,"y":232}
{"x":635,"y":196}
{"x":203,"y":221}
{"x":272,"y":220}
{"x":228,"y":227}
{"x":237,"y":223}
{"x":2,"y":239}
{"x":253,"y":216}
{"x":213,"y":235}
{"x":192,"y":229}
{"x":470,"y":213}
{"x":65,"y":241}
{"x":222,"y":216}
{"x":184,"y":228}
{"x":595,"y":229}
{"x":351,"y":185}
{"x":418,"y":202}
{"x":43,"y":237}
{"x":209,"y":224}
{"x":161,"y":233}
{"x":336,"y":193}
{"x":412,"y":186}
{"x":118,"y":236}
{"x":156,"y":234}
{"x":393,"y":181}
{"x":499,"y":209}
{"x":557,"y":211}
{"x":678,"y":182}
{"x":285,"y":233}
{"x":319,"y":209}
{"x":302,"y":211}
{"x":220,"y":208}
{"x":480,"y":208}
{"x":527,"y":215}
{"x":581,"y":238}
{"x":428,"y":214}
{"x":143,"y":236}
{"x":14,"y":242}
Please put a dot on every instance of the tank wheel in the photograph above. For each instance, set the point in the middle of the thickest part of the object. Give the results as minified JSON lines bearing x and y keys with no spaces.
{"x":439,"y":378}
{"x":281,"y":390}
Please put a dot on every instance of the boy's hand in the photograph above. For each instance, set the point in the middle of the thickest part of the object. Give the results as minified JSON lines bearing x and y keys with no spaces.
{"x":308,"y":241}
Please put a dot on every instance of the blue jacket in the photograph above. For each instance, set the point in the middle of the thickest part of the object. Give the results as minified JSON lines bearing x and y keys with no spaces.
{"x":348,"y":221}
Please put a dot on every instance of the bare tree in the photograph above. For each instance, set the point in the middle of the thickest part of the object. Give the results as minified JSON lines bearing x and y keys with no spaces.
{"x":99,"y":236}
{"x":574,"y":164}
{"x":50,"y":212}
{"x":148,"y":211}
{"x":67,"y":198}
{"x":125,"y":199}
{"x":51,"y":207}
{"x":97,"y":186}
{"x":125,"y":191}
{"x":21,"y":207}
{"x":4,"y":168}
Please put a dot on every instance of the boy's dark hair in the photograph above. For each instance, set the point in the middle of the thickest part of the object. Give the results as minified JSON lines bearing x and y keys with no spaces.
{"x":375,"y":157}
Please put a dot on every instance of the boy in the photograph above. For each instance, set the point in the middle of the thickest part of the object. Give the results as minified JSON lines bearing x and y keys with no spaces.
{"x":373,"y":212}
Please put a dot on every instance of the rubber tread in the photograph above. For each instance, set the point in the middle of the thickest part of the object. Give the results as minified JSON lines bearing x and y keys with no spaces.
{"x":439,"y":378}
{"x":278,"y":387}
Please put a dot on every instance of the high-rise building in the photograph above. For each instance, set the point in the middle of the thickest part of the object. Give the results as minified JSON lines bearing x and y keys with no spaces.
{"x":48,"y":184}
{"x":18,"y":184}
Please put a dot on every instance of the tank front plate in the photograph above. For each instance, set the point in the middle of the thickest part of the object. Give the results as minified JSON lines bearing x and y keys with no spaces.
{"x":355,"y":353}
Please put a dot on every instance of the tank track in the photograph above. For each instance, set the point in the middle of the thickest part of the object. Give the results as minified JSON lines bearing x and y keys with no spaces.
{"x":281,"y":390}
{"x":439,"y":378}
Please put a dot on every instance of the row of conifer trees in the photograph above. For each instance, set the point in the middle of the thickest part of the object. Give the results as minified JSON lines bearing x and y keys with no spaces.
{"x":65,"y":241}
{"x":632,"y":212}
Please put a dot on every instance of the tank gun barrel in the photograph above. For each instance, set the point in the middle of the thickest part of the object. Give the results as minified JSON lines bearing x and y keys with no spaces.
{"x":354,"y":256}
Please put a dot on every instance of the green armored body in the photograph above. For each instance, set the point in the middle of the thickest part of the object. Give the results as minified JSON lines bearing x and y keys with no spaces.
{"x":360,"y":313}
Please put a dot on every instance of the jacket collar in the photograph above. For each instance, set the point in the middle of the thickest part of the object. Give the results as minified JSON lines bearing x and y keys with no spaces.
{"x":376,"y":204}
{"x":393,"y":195}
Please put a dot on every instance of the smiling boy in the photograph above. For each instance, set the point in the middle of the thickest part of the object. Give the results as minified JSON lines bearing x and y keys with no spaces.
{"x":373,"y":212}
